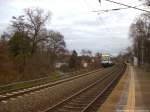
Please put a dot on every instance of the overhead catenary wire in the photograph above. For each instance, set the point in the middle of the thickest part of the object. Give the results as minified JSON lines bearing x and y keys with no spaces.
{"x":115,"y":9}
{"x":136,"y":8}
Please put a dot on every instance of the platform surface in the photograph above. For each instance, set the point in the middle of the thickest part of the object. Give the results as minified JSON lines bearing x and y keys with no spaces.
{"x":132,"y":93}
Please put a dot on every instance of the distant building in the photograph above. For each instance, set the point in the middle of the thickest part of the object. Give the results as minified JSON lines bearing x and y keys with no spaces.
{"x":60,"y":64}
{"x":135,"y":61}
{"x":84,"y":63}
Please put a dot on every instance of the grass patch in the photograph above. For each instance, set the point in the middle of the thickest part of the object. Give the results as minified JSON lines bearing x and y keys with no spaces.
{"x":55,"y":75}
{"x":26,"y":84}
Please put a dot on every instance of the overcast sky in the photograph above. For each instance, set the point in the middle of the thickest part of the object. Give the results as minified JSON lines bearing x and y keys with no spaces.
{"x":81,"y":27}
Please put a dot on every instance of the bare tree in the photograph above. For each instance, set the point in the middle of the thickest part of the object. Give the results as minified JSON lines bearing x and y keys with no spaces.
{"x":140,"y":34}
{"x":56,"y":46}
{"x":18,"y":23}
{"x":147,"y":2}
{"x":35,"y":23}
{"x":73,"y":62}
{"x":32,"y":23}
{"x":85,"y":52}
{"x":31,"y":49}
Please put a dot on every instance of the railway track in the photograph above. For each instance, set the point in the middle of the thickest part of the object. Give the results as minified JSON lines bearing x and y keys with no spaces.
{"x":89,"y":98}
{"x":12,"y":94}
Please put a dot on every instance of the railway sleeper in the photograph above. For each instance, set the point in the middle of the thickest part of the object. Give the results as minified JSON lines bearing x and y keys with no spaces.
{"x":76,"y":104}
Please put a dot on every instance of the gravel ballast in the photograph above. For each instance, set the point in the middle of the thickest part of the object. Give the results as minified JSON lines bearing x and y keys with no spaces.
{"x":40,"y":100}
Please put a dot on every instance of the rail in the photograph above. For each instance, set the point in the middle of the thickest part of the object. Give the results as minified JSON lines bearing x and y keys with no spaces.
{"x":66,"y":101}
{"x":6,"y":96}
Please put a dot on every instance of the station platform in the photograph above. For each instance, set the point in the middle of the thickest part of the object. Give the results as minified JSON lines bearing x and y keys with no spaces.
{"x":132,"y":93}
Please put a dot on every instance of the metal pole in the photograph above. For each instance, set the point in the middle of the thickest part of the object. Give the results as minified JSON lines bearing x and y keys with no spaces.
{"x":142,"y":55}
{"x":142,"y":48}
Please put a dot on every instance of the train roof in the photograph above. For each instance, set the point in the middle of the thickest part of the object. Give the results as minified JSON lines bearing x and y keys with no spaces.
{"x":105,"y":54}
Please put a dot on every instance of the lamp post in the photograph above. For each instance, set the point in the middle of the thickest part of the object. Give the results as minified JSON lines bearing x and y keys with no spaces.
{"x":142,"y":52}
{"x":141,"y":36}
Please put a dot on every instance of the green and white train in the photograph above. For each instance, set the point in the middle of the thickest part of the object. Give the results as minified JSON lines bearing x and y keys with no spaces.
{"x":106,"y":60}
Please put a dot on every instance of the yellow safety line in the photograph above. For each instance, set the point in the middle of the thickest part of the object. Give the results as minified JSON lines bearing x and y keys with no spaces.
{"x":130,"y":107}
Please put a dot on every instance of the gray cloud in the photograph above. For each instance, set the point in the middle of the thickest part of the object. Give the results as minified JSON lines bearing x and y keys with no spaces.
{"x":82,"y":28}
